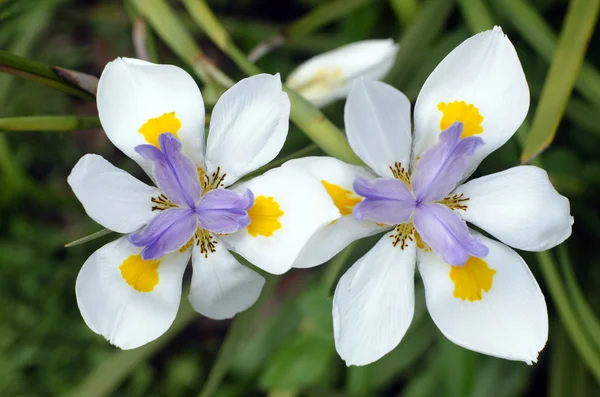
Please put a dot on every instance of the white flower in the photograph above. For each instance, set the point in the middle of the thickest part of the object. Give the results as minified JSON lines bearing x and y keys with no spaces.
{"x":487,"y":300}
{"x":329,"y":76}
{"x":129,"y":290}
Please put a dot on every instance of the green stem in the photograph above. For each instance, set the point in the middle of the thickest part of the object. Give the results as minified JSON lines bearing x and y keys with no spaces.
{"x":88,"y":238}
{"x":308,"y":118}
{"x":238,"y":330}
{"x":52,"y":76}
{"x":49,"y":123}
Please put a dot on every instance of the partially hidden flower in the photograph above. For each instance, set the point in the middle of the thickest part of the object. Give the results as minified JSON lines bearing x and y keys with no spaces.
{"x":129,"y":290}
{"x":328,"y":77}
{"x":479,"y":292}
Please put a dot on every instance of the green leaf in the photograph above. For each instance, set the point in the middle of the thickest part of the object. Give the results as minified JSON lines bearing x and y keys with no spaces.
{"x":539,"y":34}
{"x":49,"y":123}
{"x":568,"y":56}
{"x":418,"y":37}
{"x":477,"y":15}
{"x":104,"y":380}
{"x":302,"y":362}
{"x":76,"y":83}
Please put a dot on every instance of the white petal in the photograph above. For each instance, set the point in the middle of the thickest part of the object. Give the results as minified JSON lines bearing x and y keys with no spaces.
{"x":110,"y":196}
{"x":333,"y":237}
{"x":112,"y":308}
{"x":374,"y":303}
{"x":302,"y":207}
{"x":484,"y":71}
{"x":221,"y":286}
{"x":520,"y":207}
{"x":510,"y":321}
{"x":377,"y":120}
{"x":131,"y":92}
{"x":329,"y":76}
{"x":248,"y":126}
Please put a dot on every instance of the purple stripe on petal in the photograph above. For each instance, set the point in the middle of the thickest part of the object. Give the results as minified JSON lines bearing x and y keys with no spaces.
{"x":443,"y":165}
{"x":175,"y":173}
{"x":166,"y":232}
{"x":447,"y":234}
{"x":387,"y":201}
{"x":225,"y":211}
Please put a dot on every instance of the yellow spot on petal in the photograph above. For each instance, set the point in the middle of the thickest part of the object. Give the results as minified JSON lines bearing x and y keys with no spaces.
{"x":264,"y":217}
{"x":463,"y":112}
{"x":160,"y":125}
{"x":323,"y":80}
{"x":141,"y":275}
{"x":343,"y":199}
{"x":187,"y":245}
{"x":472,"y":279}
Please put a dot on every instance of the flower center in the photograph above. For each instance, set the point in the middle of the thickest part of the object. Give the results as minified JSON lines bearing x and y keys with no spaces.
{"x":191,"y":203}
{"x":426,"y":206}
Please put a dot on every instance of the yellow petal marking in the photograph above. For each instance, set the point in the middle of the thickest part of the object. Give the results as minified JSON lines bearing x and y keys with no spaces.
{"x":159,"y":125}
{"x":472,"y":279}
{"x":468,"y":114}
{"x":140,"y":274}
{"x":323,"y":80}
{"x":343,"y":199}
{"x":264,"y":217}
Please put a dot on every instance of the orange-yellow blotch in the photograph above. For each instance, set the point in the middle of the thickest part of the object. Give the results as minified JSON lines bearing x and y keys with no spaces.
{"x":472,"y":279}
{"x":160,"y":125}
{"x":264,"y":217}
{"x":343,"y":199}
{"x":463,"y":112}
{"x":140,"y":274}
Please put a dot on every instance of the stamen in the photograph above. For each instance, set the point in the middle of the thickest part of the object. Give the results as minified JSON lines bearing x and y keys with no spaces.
{"x":162,"y":203}
{"x":206,"y":241}
{"x":402,"y":234}
{"x":455,"y":202}
{"x":211,"y":182}
{"x":400,"y":173}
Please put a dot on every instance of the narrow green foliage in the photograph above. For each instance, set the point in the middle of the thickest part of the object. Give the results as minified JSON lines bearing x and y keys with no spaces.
{"x":75,"y":83}
{"x":538,"y":33}
{"x":417,"y":38}
{"x":477,"y":15}
{"x":49,"y":123}
{"x":568,"y":56}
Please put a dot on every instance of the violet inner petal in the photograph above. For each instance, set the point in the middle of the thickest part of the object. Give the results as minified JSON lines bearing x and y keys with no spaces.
{"x":447,"y":234}
{"x":175,"y":173}
{"x":388,"y":201}
{"x":166,"y":232}
{"x":443,"y":165}
{"x":225,"y":211}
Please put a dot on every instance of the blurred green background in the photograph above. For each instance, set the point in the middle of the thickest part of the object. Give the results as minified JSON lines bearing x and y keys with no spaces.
{"x":283,"y":347}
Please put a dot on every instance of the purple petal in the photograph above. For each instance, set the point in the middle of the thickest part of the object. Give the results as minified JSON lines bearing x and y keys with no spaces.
{"x":447,"y":234}
{"x":175,"y":173}
{"x":225,"y":211}
{"x":382,"y":188}
{"x":443,"y":165}
{"x":387,"y":201}
{"x":166,"y":232}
